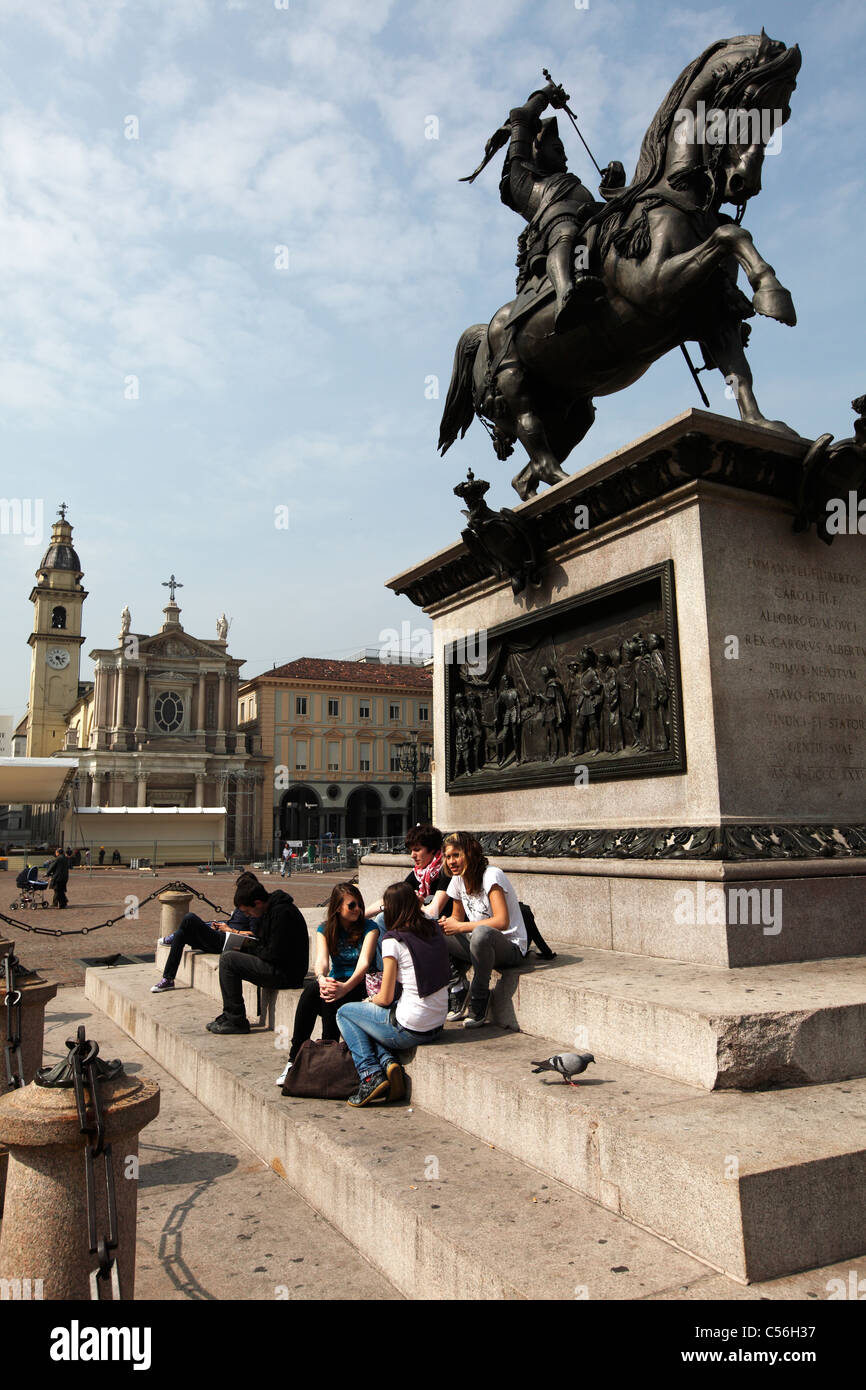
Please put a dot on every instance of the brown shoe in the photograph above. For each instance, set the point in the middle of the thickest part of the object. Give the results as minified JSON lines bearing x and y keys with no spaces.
{"x":394,"y":1073}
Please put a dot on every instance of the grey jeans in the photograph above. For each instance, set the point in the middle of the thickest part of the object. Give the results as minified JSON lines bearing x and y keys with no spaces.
{"x":483,"y":948}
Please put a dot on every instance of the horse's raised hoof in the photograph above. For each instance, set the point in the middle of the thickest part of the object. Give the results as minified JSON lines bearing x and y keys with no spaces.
{"x":775,"y":302}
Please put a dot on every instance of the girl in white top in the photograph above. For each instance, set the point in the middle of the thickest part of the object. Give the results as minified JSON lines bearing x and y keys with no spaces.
{"x":415,"y":956}
{"x":485,"y":930}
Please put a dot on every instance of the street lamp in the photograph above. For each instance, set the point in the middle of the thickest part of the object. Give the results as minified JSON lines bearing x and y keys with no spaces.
{"x":415,"y":759}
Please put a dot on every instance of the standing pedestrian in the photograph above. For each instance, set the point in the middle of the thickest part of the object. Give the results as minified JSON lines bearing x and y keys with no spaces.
{"x":58,"y":875}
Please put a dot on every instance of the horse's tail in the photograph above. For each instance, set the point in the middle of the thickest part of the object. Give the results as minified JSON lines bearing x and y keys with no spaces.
{"x":459,"y":409}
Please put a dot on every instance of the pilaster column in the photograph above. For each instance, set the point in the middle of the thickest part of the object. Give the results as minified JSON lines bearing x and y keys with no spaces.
{"x":255,"y":819}
{"x":200,"y":778}
{"x":200,"y":707}
{"x":96,"y":788}
{"x":119,"y":695}
{"x":141,"y":796}
{"x":221,"y":715}
{"x":119,"y":740}
{"x":100,"y":707}
{"x":140,"y":707}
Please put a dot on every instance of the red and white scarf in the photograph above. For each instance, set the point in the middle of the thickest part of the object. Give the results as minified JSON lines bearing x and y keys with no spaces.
{"x":429,"y":874}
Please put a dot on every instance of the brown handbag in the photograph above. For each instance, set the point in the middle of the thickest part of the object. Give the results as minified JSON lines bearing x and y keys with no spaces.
{"x":322,"y":1071}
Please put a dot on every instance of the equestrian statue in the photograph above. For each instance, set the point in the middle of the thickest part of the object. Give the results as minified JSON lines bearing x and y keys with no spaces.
{"x":606,"y":287}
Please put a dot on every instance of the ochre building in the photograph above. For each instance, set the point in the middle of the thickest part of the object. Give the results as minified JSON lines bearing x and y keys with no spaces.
{"x":332,"y":732}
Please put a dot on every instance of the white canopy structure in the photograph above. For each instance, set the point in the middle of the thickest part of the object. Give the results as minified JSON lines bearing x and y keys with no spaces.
{"x":161,"y":834}
{"x":34,"y":781}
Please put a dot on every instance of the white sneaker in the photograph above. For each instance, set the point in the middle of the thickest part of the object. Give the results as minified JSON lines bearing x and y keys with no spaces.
{"x":284,"y":1073}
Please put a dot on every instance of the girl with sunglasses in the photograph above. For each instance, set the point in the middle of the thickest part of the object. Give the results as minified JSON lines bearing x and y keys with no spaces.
{"x":345,"y":946}
{"x":416,"y":958}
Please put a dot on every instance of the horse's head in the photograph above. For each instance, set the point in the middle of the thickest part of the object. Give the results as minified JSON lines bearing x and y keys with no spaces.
{"x":750,"y":99}
{"x":712,"y":129}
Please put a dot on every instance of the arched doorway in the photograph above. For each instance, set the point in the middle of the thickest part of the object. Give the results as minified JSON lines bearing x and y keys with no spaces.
{"x":363,"y":814}
{"x":299,"y":814}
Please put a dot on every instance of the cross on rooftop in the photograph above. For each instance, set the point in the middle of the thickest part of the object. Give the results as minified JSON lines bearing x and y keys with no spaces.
{"x":62,"y":510}
{"x":171,"y":585}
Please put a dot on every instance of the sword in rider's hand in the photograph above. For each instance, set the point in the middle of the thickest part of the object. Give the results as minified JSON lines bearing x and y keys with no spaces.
{"x":563,"y":103}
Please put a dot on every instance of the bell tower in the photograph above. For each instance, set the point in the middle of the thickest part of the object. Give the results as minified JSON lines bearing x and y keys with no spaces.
{"x":55,"y":641}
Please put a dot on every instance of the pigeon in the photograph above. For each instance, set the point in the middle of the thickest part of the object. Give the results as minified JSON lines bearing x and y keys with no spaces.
{"x":568,"y":1064}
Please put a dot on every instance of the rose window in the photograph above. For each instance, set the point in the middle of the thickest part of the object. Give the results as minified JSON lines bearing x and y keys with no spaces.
{"x":168,"y":712}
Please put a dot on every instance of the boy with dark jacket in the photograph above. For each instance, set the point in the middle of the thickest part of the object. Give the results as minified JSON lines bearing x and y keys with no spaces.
{"x":275,"y":958}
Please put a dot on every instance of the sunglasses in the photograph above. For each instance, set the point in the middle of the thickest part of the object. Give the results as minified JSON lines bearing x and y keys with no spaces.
{"x":351,"y":905}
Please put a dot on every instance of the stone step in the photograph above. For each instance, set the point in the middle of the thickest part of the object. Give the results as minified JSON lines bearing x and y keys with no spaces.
{"x":440,"y":1213}
{"x":791,"y":1024}
{"x":756,"y":1185}
{"x":214,"y":1221}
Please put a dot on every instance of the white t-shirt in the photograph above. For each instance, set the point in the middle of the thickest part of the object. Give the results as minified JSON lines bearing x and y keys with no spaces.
{"x":477,"y":905}
{"x":421,"y":1015}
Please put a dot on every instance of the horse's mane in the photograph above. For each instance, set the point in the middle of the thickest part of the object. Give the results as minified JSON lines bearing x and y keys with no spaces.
{"x":653,"y":150}
{"x":771,"y":70}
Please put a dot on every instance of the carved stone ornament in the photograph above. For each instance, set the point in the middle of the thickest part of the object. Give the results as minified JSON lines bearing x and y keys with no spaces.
{"x":733,"y":843}
{"x":588,"y":690}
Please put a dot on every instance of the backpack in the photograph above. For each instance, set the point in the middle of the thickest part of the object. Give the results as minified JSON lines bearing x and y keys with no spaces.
{"x":534,"y":935}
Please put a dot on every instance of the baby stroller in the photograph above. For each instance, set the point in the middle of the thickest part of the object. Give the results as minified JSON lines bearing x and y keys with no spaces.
{"x":31,"y":889}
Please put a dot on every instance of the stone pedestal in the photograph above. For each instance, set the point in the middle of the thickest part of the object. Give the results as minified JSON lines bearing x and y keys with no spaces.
{"x":45,"y":1232}
{"x":35,"y":994}
{"x":763,"y":806}
{"x":174,"y":907}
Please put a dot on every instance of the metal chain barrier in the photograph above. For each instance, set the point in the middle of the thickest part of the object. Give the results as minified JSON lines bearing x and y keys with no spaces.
{"x":12,"y":1047}
{"x":176,"y":886}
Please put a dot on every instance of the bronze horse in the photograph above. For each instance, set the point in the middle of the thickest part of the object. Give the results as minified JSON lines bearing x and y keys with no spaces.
{"x":668,"y":258}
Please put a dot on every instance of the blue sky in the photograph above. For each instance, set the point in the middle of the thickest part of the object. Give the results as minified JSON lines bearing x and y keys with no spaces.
{"x":303,"y":387}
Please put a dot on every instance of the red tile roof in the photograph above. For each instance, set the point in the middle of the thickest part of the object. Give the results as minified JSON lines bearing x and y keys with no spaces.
{"x":314,"y":668}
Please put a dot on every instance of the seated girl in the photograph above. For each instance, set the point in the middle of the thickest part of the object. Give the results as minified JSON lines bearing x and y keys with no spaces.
{"x":415,"y":956}
{"x":345,"y":946}
{"x":485,"y":929}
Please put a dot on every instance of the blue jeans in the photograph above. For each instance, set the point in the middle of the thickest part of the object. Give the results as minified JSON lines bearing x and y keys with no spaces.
{"x":373,"y":1039}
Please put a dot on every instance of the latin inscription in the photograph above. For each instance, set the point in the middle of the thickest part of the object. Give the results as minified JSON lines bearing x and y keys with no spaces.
{"x":814,"y":655}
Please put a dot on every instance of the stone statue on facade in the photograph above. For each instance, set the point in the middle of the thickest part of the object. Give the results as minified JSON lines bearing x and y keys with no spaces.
{"x":125,"y":620}
{"x":222,"y":628}
{"x":607,"y":287}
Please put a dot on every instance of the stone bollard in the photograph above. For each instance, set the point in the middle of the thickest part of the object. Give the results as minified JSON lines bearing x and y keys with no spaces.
{"x":35,"y":994}
{"x":175,"y":906}
{"x":44,"y":1236}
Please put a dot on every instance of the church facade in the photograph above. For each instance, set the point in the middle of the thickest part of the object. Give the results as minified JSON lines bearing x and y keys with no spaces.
{"x":157,"y":727}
